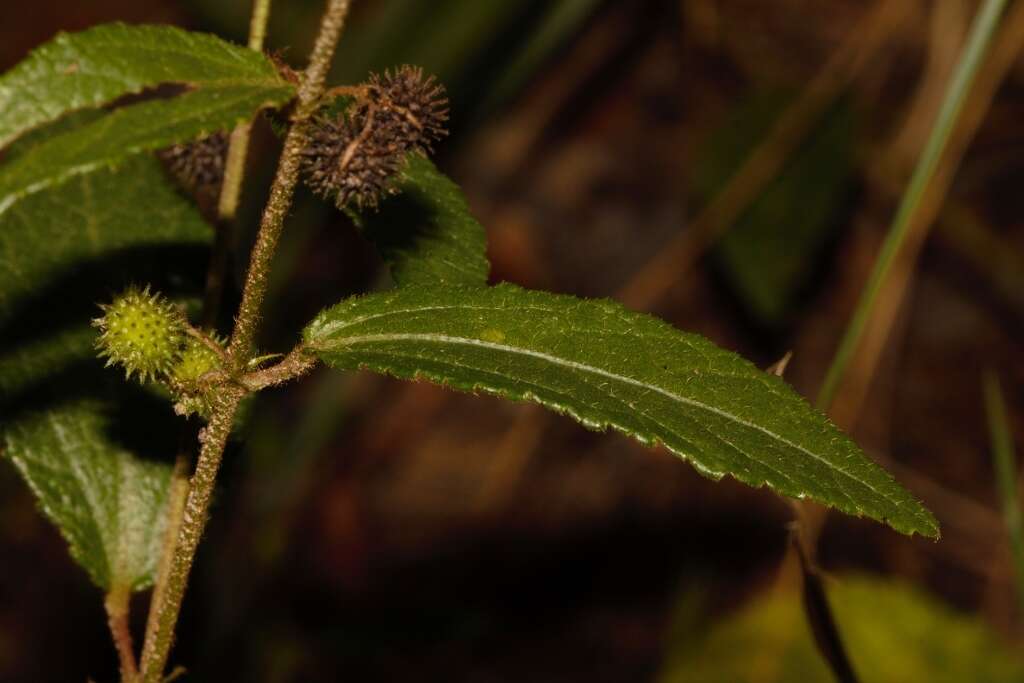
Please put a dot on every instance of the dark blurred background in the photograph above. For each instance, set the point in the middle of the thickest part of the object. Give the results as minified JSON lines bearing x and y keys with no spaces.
{"x":372,"y":530}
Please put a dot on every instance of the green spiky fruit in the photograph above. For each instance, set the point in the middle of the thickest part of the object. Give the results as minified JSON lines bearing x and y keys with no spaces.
{"x":142,"y":332}
{"x":196,"y":360}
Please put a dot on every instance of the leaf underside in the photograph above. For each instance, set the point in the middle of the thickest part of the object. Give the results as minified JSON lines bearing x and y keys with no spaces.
{"x":608,"y":367}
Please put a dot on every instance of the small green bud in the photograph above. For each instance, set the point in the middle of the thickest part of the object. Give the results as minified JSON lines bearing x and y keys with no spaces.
{"x":186,"y":379}
{"x":196,"y":360}
{"x":142,"y":332}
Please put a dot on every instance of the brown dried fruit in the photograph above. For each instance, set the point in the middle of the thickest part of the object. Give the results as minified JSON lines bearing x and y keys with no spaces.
{"x":198,"y":165}
{"x":354,"y":158}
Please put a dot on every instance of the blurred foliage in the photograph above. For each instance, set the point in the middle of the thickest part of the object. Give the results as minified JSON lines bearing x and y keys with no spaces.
{"x":1004,"y":459}
{"x":316,"y":497}
{"x":483,"y":51}
{"x":769,"y":255}
{"x":894,"y":633}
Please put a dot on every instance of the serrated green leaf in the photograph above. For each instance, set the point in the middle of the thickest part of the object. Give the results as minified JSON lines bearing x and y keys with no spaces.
{"x":87,"y":69}
{"x":108,"y":503}
{"x":426,"y":232}
{"x":74,"y":429}
{"x":111,"y":140}
{"x":894,"y":633}
{"x":608,"y":367}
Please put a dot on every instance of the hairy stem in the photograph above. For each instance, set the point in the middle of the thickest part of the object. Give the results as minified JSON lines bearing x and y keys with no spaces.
{"x":176,"y":498}
{"x":216,"y":271}
{"x":116,"y":604}
{"x":214,"y":437}
{"x":281,"y":193}
{"x":295,"y":364}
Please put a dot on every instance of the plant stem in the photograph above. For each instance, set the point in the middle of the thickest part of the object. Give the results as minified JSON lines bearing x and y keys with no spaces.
{"x":215,"y":273}
{"x":234,"y":171}
{"x":234,"y":168}
{"x":176,"y":497}
{"x":272,"y":223}
{"x":822,"y":623}
{"x":116,"y":604}
{"x":258,"y":24}
{"x":231,"y":188}
{"x":1006,"y":475}
{"x":956,"y":94}
{"x":295,"y":364}
{"x":213,"y":438}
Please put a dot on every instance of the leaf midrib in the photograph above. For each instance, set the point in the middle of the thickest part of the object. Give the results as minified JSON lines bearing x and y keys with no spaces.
{"x":514,"y":350}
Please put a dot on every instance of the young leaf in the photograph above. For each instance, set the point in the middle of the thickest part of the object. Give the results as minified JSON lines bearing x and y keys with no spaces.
{"x":608,"y":367}
{"x":111,"y":140}
{"x":87,"y":69}
{"x":68,"y":424}
{"x":427,"y":233}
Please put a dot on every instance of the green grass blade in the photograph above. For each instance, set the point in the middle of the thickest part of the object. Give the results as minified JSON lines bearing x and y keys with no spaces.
{"x":980,"y":37}
{"x":1005,"y":461}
